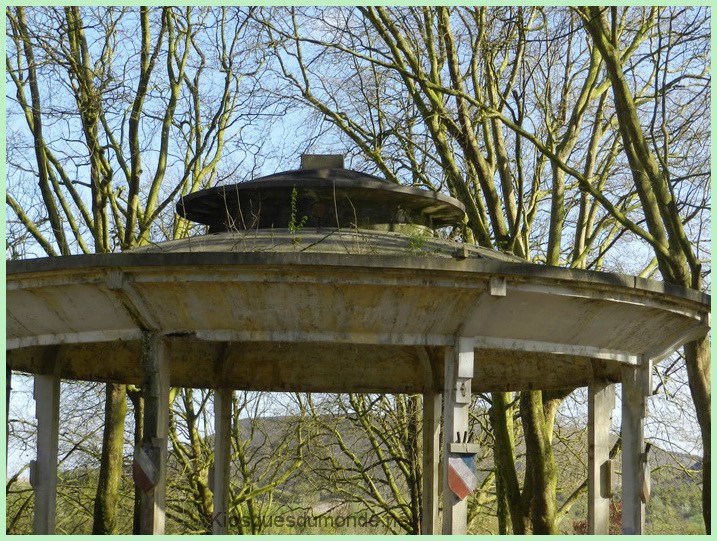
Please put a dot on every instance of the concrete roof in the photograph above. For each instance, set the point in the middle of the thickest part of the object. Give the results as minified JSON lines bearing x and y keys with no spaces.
{"x":346,"y":313}
{"x":345,"y":196}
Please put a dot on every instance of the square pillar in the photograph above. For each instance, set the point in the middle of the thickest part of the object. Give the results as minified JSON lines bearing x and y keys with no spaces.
{"x":431,"y":455}
{"x":601,"y":401}
{"x":222,"y":459}
{"x":43,"y":471}
{"x":457,"y":395}
{"x":8,"y":390}
{"x":150,"y":462}
{"x":636,"y":386}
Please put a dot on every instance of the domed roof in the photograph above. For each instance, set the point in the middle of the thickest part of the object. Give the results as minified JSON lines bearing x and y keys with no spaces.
{"x":324,"y":198}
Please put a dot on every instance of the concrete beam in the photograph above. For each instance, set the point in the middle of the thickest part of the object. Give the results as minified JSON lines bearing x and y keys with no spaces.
{"x":590,"y":352}
{"x":150,"y":467}
{"x":222,"y":458}
{"x":43,"y":472}
{"x":431,"y":457}
{"x":601,"y":401}
{"x":82,"y":337}
{"x":342,"y":337}
{"x":457,"y":395}
{"x":635,"y":388}
{"x":666,"y":349}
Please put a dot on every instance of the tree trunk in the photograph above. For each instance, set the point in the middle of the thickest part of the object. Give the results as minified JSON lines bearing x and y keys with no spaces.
{"x":541,"y":463}
{"x":414,"y":449}
{"x":504,"y":457}
{"x":677,"y":260}
{"x":105,"y":516}
{"x":697,"y":357}
{"x":135,"y":395}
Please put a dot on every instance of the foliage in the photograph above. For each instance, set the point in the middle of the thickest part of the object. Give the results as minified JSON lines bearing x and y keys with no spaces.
{"x":295,"y":225}
{"x":336,"y":451}
{"x":580,"y":527}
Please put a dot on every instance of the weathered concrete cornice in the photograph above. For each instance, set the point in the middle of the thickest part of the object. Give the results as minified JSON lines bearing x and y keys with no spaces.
{"x":509,"y":266}
{"x":307,"y":321}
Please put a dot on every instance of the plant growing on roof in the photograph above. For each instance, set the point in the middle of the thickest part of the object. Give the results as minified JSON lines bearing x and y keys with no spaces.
{"x":294,"y":225}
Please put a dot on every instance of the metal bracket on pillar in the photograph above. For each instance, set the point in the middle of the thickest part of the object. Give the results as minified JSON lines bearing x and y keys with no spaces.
{"x":463,"y":391}
{"x":464,"y":372}
{"x":646,"y":476}
{"x":465,"y":448}
{"x":33,"y":473}
{"x":607,"y":479}
{"x":647,"y":378}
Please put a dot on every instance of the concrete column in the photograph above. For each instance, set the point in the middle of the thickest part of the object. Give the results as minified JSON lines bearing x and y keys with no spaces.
{"x":635,"y":388}
{"x":150,"y":462}
{"x":431,"y":455}
{"x":601,"y":401}
{"x":222,"y":458}
{"x":457,"y":395}
{"x":8,"y":389}
{"x":43,"y":472}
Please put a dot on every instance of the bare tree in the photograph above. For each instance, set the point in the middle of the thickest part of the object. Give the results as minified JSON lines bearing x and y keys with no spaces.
{"x":574,"y":137}
{"x":510,"y":111}
{"x":366,"y":452}
{"x":668,"y":167}
{"x":124,"y":109}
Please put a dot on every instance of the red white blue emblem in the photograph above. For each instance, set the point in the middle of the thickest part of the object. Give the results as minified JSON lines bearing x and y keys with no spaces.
{"x":462,"y":478}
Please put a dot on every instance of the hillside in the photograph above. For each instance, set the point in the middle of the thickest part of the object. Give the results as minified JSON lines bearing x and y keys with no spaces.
{"x":326,"y":489}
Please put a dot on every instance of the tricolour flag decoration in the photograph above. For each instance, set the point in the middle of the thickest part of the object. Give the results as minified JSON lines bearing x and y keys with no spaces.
{"x":462,"y":478}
